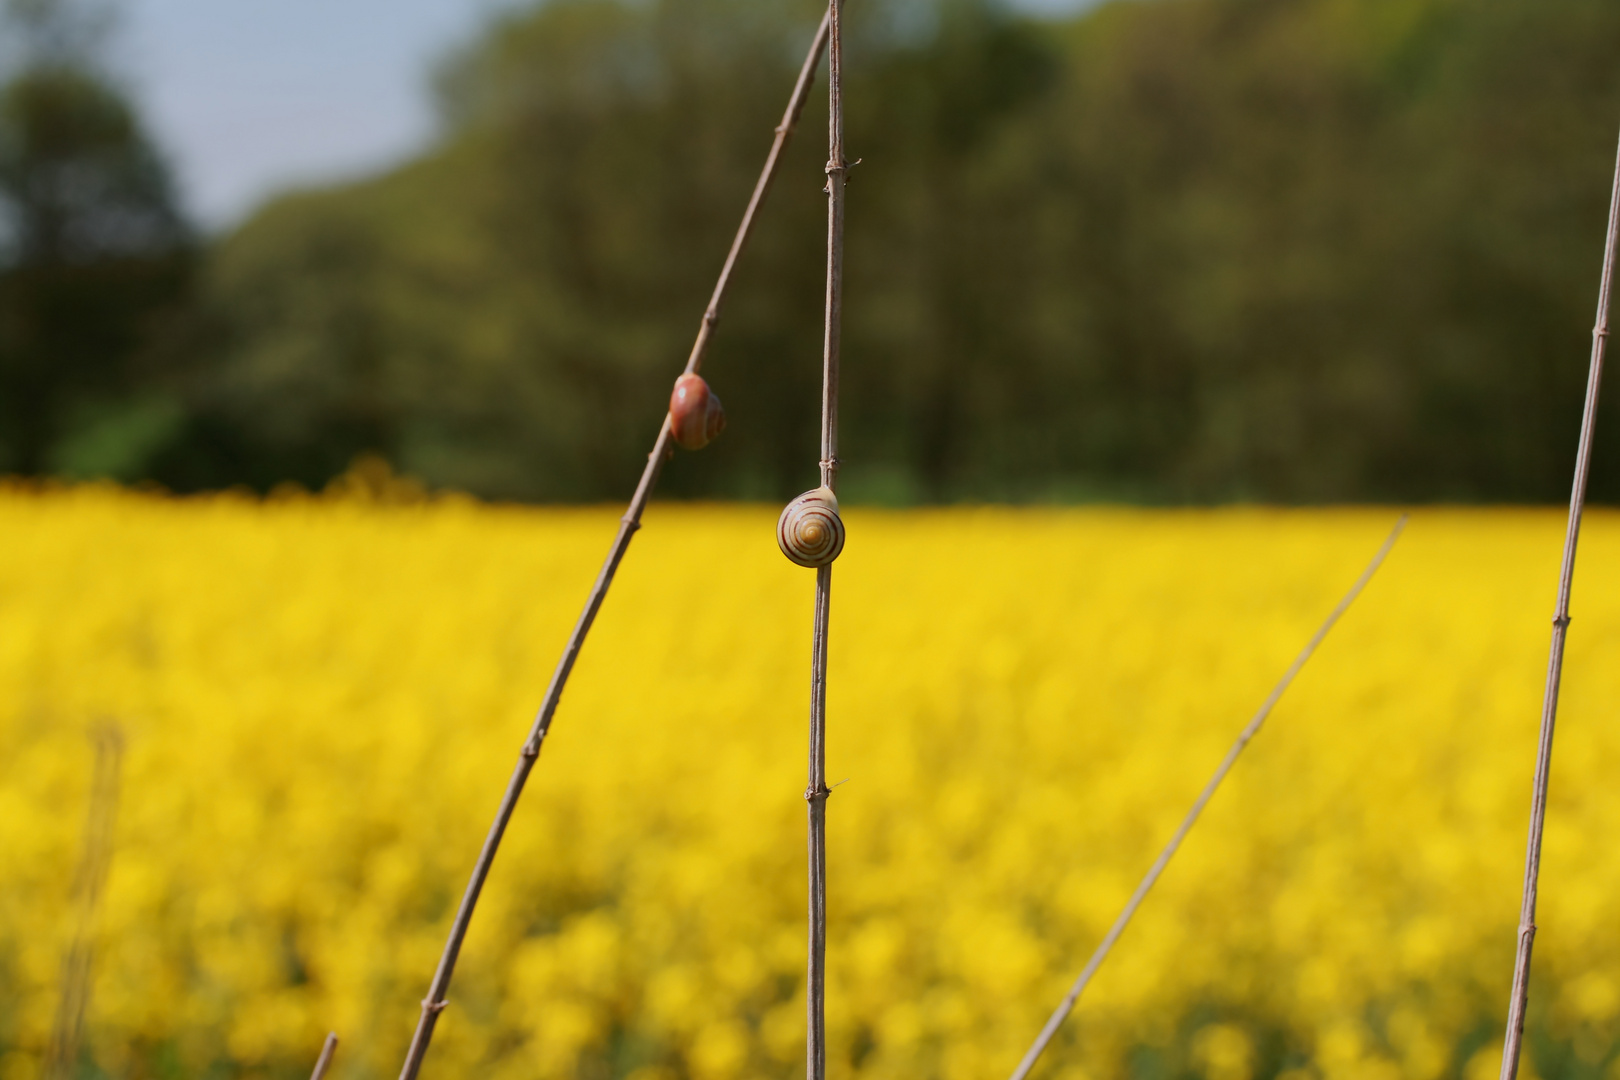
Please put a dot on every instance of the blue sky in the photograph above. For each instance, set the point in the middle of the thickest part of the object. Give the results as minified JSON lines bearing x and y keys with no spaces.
{"x":254,"y":96}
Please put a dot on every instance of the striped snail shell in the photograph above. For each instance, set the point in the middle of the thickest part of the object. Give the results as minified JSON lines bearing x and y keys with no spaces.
{"x":810,"y":532}
{"x":695,"y":415}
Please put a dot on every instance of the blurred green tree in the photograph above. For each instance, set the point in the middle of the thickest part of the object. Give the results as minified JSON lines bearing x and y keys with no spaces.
{"x":1181,"y":250}
{"x":93,"y":252}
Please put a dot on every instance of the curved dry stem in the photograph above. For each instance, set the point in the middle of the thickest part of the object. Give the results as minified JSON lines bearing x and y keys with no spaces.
{"x":1066,"y":1006}
{"x":1513,"y":1039}
{"x":437,"y":996}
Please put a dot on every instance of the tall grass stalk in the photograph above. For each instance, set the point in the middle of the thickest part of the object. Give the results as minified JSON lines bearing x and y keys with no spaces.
{"x":1066,"y":1006}
{"x":324,"y":1062}
{"x":437,"y":996}
{"x":95,"y":858}
{"x":816,"y":792}
{"x":1513,"y":1040}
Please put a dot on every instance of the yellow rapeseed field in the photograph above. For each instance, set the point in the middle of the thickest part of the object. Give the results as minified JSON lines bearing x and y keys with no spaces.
{"x":322,"y":699}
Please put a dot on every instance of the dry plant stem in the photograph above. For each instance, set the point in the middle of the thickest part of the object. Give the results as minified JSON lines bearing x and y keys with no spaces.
{"x":816,"y":793}
{"x":1066,"y":1006}
{"x":1514,"y":1038}
{"x":94,"y":860}
{"x":762,"y":187}
{"x":816,"y":796}
{"x":837,"y":177}
{"x":437,"y":996}
{"x":324,"y":1062}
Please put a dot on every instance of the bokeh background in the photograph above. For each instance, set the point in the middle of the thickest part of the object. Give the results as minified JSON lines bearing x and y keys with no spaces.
{"x":320,"y":699}
{"x":1151,"y":304}
{"x":1180,"y":250}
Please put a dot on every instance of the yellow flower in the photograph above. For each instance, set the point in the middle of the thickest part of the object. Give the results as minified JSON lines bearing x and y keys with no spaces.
{"x":323,"y":697}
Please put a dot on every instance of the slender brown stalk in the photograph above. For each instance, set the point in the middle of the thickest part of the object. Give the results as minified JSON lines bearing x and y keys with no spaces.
{"x":436,"y":1000}
{"x":762,"y":187}
{"x":816,"y":793}
{"x":837,"y":178}
{"x":1066,"y":1006}
{"x":94,"y":860}
{"x":1514,"y":1038}
{"x":816,"y":797}
{"x":324,"y":1062}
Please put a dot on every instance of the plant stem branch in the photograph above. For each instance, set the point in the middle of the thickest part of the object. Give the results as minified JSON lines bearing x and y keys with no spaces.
{"x":762,"y":187}
{"x":91,"y":877}
{"x":436,"y":1000}
{"x":816,"y":793}
{"x":324,"y":1062}
{"x":837,"y":178}
{"x":816,"y":797}
{"x":1066,"y":1006}
{"x":1514,"y":1038}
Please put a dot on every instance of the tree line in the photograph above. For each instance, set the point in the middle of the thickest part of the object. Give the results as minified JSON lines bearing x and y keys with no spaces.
{"x":1161,"y":251}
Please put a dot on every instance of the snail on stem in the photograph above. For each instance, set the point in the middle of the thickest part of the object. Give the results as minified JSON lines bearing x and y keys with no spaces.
{"x":810,"y":532}
{"x":695,"y":415}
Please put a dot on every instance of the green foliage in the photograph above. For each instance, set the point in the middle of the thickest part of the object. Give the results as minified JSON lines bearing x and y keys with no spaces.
{"x":93,"y":258}
{"x":1178,"y":250}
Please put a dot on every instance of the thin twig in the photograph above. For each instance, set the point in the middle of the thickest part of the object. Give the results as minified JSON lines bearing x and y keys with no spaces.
{"x":94,"y":860}
{"x":1066,"y":1006}
{"x":816,"y":792}
{"x":436,"y":1000}
{"x":762,"y":187}
{"x":324,"y":1062}
{"x":837,"y":177}
{"x":1514,"y":1037}
{"x":816,"y":797}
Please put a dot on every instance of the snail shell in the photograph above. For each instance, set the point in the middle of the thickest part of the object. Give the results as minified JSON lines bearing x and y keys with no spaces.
{"x":810,"y":532}
{"x":695,"y":415}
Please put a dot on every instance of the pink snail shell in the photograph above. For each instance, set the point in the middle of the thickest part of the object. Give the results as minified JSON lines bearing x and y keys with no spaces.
{"x":810,"y":532}
{"x":695,"y":415}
